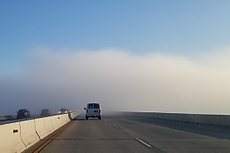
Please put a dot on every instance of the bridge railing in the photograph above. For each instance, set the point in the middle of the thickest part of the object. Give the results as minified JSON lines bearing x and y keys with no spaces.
{"x":19,"y":136}
{"x":205,"y":119}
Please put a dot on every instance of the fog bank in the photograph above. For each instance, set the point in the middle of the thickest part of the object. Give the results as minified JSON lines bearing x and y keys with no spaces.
{"x":120,"y":81}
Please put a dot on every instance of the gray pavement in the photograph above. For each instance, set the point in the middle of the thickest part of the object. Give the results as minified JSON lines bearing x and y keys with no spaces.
{"x":203,"y":129}
{"x":119,"y":135}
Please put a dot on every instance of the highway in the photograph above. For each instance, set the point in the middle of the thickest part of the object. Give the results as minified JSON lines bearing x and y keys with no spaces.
{"x":123,"y":135}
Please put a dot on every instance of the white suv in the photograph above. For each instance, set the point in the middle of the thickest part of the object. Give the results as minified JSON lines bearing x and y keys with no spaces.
{"x":93,"y":110}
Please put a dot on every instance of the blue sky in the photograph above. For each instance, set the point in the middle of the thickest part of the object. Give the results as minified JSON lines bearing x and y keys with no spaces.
{"x":175,"y":27}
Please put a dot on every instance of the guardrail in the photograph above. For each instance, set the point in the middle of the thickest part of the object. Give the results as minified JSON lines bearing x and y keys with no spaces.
{"x":214,"y":120}
{"x":19,"y":136}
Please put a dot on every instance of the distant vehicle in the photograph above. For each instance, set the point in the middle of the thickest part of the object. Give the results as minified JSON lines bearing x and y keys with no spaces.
{"x":63,"y":111}
{"x":45,"y":112}
{"x":93,"y":110}
{"x":23,"y":113}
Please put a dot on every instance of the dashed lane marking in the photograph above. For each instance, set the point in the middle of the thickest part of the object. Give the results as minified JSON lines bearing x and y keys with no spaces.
{"x":144,"y":143}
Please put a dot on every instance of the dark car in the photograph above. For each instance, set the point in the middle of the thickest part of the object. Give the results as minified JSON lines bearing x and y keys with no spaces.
{"x":23,"y":113}
{"x":45,"y":112}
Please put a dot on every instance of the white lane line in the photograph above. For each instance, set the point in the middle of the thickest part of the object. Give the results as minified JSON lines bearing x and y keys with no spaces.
{"x":144,"y":143}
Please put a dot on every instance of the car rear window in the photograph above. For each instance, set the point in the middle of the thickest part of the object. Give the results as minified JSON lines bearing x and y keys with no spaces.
{"x":90,"y":106}
{"x":22,"y":110}
{"x":96,"y":105}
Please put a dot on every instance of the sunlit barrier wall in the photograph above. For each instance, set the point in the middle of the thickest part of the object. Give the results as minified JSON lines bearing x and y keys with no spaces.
{"x":73,"y":115}
{"x":17,"y":137}
{"x":10,"y":138}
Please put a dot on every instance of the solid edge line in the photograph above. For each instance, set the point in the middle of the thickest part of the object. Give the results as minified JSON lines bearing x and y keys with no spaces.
{"x":144,"y":143}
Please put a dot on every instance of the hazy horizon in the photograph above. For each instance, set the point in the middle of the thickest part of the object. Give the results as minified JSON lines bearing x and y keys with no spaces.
{"x":120,"y":80}
{"x":166,"y":56}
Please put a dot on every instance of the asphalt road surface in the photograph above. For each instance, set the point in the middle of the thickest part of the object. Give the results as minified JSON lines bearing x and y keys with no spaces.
{"x":119,"y":135}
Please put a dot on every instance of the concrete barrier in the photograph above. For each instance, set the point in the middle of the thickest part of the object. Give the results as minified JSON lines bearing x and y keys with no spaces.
{"x":41,"y":128}
{"x":214,"y":120}
{"x":59,"y":120}
{"x":73,"y":115}
{"x":49,"y":124}
{"x":64,"y":119}
{"x":45,"y":126}
{"x":28,"y":133}
{"x":10,"y":138}
{"x":17,"y":137}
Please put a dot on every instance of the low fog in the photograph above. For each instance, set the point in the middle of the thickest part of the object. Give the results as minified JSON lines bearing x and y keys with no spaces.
{"x":119,"y":81}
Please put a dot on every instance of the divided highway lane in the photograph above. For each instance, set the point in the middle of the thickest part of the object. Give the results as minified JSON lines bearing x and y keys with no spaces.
{"x":95,"y":136}
{"x":116,"y":135}
{"x":202,"y":129}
